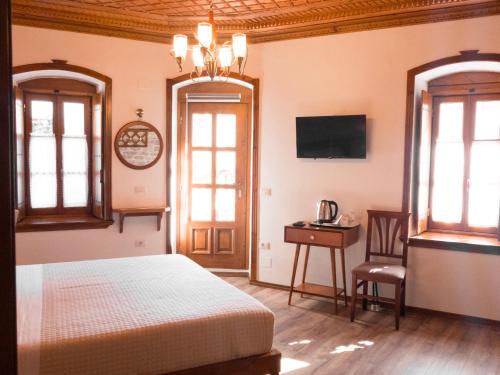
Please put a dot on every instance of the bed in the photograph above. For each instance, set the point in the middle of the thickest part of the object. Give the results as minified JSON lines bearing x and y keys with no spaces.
{"x":142,"y":315}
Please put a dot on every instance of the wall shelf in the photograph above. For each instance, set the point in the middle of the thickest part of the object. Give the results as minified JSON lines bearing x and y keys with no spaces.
{"x":141,"y":211}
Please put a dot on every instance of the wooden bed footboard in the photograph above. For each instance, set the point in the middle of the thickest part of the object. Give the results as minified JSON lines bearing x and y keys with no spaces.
{"x":263,"y":364}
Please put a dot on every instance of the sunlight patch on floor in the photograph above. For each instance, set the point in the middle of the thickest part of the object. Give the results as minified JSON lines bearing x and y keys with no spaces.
{"x":289,"y":364}
{"x":301,"y":342}
{"x":352,"y":347}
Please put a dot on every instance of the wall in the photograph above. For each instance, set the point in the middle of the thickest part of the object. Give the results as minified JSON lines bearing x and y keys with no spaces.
{"x":361,"y":72}
{"x":355,"y":73}
{"x":138,"y":71}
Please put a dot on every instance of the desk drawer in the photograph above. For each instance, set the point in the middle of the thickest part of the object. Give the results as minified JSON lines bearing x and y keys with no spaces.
{"x":313,"y":237}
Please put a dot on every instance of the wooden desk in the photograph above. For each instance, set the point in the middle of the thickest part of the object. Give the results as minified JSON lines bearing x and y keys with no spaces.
{"x":332,"y":238}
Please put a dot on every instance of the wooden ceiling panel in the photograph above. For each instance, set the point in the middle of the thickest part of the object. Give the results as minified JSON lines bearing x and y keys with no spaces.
{"x":262,"y":20}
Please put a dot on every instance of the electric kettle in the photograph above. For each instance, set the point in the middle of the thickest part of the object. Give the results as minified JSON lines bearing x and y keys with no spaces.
{"x":327,"y":211}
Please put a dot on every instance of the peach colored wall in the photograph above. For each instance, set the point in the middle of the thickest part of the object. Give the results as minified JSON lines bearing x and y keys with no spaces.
{"x":138,"y":71}
{"x":354,"y":73}
{"x":361,"y":72}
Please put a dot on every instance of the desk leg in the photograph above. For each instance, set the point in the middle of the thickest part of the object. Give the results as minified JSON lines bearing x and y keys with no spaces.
{"x":294,"y":271}
{"x":343,"y":274}
{"x":334,"y":277}
{"x":305,"y":267}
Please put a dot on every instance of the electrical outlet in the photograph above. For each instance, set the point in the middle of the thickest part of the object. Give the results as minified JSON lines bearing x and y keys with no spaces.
{"x":140,"y":243}
{"x":139,"y":189}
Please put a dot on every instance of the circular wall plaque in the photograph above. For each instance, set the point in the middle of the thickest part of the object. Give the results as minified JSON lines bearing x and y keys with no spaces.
{"x":138,"y":145}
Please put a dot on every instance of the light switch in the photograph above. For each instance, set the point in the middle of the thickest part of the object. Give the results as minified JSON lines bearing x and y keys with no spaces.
{"x":266,"y":191}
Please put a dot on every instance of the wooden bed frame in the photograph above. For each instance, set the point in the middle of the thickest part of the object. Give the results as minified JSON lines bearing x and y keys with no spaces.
{"x":263,"y":364}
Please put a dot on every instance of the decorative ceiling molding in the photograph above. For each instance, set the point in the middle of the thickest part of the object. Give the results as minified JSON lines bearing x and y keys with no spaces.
{"x":261,"y":20}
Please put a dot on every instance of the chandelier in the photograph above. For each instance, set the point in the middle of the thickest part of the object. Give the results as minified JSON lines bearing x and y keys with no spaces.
{"x":208,"y":58}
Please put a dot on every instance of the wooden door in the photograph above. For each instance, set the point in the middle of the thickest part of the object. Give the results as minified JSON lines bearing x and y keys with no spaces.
{"x":215,"y":176}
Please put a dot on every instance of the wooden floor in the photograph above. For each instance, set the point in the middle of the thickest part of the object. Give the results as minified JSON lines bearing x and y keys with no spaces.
{"x":314,"y":341}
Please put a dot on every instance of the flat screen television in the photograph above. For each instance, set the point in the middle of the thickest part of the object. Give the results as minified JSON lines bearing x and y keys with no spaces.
{"x":331,"y":137}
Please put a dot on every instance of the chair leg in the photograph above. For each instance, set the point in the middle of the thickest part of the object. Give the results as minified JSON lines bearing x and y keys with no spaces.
{"x":397,"y":304}
{"x":354,"y":294}
{"x":365,"y":292}
{"x":403,"y":298}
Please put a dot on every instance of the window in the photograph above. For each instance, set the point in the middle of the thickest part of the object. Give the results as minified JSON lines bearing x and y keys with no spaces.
{"x":458,"y":175}
{"x":58,"y":146}
{"x":60,"y":164}
{"x":465,"y":178}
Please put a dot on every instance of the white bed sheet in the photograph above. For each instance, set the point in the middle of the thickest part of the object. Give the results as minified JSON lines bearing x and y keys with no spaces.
{"x":140,"y":315}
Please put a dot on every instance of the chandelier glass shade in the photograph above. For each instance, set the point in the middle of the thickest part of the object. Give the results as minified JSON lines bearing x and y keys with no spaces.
{"x":208,"y":58}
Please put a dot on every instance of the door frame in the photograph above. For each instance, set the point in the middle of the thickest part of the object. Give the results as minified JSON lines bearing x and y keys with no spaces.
{"x":173,"y":85}
{"x":8,"y":330}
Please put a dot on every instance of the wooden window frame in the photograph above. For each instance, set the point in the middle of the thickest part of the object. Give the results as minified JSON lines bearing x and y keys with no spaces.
{"x":486,"y":243}
{"x":57,"y":101}
{"x":469,"y":102}
{"x":96,"y":214}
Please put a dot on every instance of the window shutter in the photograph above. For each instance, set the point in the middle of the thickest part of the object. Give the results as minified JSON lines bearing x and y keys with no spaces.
{"x":19,"y":150}
{"x":97,"y":162}
{"x":424,"y":162}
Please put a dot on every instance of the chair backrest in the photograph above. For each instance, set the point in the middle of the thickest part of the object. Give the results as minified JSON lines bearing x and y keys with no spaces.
{"x":381,"y":237}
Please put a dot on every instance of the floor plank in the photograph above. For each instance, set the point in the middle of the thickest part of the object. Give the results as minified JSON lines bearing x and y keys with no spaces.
{"x":308,"y":334}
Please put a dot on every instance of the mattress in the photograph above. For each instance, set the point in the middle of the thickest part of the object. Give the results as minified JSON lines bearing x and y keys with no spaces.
{"x":139,"y":315}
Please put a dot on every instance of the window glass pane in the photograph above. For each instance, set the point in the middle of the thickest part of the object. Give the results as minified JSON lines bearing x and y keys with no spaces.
{"x":225,"y":167}
{"x":225,"y":202}
{"x":487,"y":125}
{"x":226,"y":130}
{"x":43,"y":179}
{"x":20,"y":150}
{"x":97,"y":149}
{"x":75,"y":171}
{"x":74,"y":119}
{"x":484,"y":188}
{"x":450,"y":122}
{"x":201,"y":204}
{"x":75,"y":156}
{"x":202,"y":130}
{"x":202,"y":167}
{"x":447,"y":188}
{"x":42,"y":117}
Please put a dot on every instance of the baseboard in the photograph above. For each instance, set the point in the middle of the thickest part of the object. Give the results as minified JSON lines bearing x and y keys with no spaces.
{"x":269,"y":285}
{"x":231,"y":274}
{"x":417,"y":310}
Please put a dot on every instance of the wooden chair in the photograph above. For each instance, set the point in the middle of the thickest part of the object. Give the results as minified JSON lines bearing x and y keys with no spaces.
{"x":387,"y":226}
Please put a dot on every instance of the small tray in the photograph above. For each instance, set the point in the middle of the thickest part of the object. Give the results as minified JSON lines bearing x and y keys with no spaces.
{"x":331,"y":225}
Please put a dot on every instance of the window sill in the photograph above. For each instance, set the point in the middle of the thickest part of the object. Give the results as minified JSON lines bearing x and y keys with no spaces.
{"x":457,"y":242}
{"x":54,"y":223}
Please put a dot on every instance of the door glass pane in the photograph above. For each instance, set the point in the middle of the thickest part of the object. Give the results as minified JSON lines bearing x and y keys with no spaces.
{"x":226,"y":130}
{"x":202,"y":167}
{"x":42,"y":156}
{"x":451,"y":117}
{"x":74,"y":119}
{"x":202,"y":130}
{"x":75,"y":156}
{"x":487,"y":125}
{"x":225,"y":204}
{"x":42,"y":119}
{"x":201,"y":204}
{"x":225,"y":167}
{"x":447,"y":189}
{"x":484,"y":189}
